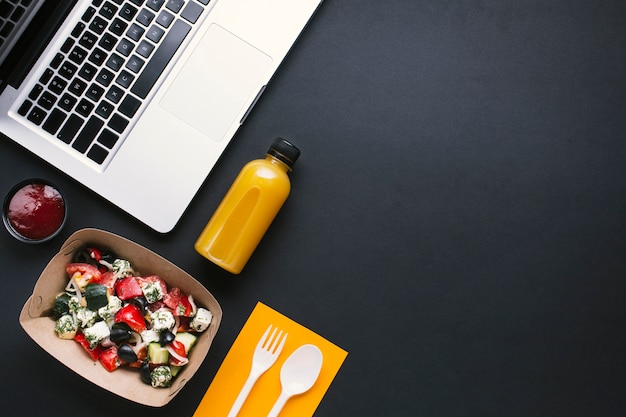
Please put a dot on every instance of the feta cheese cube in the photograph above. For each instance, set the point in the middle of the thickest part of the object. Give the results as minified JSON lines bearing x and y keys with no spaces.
{"x":201,"y":320}
{"x":162,"y":320}
{"x":96,"y":333}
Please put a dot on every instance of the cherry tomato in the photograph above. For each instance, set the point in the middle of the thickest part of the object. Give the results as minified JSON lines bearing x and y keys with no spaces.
{"x":110,"y":359}
{"x":83,"y":273}
{"x":127,"y":288}
{"x":131,"y":315}
{"x":82,"y":340}
{"x":107,"y":279}
{"x":178,"y":302}
{"x":178,"y":356}
{"x":152,"y":279}
{"x":95,"y":253}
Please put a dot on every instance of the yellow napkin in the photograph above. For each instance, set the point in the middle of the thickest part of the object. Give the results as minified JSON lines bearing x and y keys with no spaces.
{"x":233,"y":372}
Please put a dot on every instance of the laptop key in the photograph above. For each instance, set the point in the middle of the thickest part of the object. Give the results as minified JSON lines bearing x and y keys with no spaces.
{"x":160,"y":59}
{"x":78,"y":29}
{"x":105,"y":77}
{"x":108,"y":10}
{"x":115,"y":94}
{"x":70,"y":129}
{"x":98,"y":56}
{"x":94,"y":92}
{"x":77,"y":87}
{"x":67,"y":70}
{"x":57,"y":85}
{"x":135,"y":63}
{"x":56,"y":61}
{"x":67,"y":102}
{"x":134,"y":32}
{"x":47,"y":100}
{"x":85,"y":107}
{"x":155,"y":4}
{"x":7,"y":29}
{"x":104,"y":109}
{"x":54,"y":121}
{"x":37,"y":115}
{"x":97,"y":154}
{"x":35,"y":92}
{"x":87,"y":134}
{"x":17,"y":13}
{"x":192,"y":12}
{"x":128,"y":12}
{"x":125,"y":79}
{"x":108,"y":138}
{"x":5,"y":10}
{"x":155,"y":33}
{"x":107,"y":41}
{"x":145,"y":17}
{"x":98,"y":25}
{"x":118,"y":123}
{"x":125,"y":47}
{"x":175,"y":5}
{"x":88,"y":40}
{"x":115,"y":62}
{"x":129,"y":106}
{"x":145,"y":48}
{"x":88,"y":14}
{"x":77,"y":55}
{"x":25,"y":107}
{"x":46,"y":76}
{"x":118,"y":26}
{"x":87,"y":72}
{"x":165,"y":19}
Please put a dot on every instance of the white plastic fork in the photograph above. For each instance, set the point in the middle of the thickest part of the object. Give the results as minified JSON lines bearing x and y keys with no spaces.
{"x":265,"y":354}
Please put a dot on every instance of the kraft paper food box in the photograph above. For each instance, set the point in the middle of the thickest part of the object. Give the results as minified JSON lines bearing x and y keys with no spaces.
{"x":37,"y":318}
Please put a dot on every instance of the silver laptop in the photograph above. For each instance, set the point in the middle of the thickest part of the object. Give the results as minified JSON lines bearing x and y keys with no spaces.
{"x":137,"y":99}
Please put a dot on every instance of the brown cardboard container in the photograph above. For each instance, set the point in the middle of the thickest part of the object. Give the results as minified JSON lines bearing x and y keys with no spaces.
{"x":37,"y":319}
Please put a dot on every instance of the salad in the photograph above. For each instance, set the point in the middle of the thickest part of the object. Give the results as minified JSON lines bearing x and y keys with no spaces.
{"x":124,"y":319}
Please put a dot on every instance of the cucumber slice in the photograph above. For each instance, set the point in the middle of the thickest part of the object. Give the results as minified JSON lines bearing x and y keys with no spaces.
{"x":157,"y":354}
{"x":97,"y":296}
{"x":61,"y":306}
{"x":187,"y":339}
{"x":175,"y":370}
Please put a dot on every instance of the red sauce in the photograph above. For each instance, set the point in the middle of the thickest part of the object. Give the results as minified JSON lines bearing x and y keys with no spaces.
{"x":36,"y":211}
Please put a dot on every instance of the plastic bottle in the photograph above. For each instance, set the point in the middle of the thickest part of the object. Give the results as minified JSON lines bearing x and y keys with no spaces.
{"x":248,"y":208}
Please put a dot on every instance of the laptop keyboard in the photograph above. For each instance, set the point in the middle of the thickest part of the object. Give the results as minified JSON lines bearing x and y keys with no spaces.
{"x":96,"y":83}
{"x":11,"y":11}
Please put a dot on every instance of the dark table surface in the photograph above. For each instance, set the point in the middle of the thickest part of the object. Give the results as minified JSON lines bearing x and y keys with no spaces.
{"x":457,"y":220}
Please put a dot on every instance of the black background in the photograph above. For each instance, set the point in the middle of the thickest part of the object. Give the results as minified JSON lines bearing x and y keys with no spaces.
{"x":457,"y":220}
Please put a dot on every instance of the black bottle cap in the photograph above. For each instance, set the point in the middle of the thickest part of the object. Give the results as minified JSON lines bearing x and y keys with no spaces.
{"x":284,"y":151}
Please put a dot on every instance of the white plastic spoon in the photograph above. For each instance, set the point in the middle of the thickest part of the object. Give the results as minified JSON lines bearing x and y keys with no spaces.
{"x":298,"y":374}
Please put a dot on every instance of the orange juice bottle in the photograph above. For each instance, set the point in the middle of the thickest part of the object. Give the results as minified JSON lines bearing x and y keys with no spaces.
{"x":248,"y":208}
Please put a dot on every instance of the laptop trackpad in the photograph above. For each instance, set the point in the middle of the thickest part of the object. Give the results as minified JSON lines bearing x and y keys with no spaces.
{"x":219,"y":78}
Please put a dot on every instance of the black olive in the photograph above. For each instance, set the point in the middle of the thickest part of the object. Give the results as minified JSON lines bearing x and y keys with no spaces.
{"x":108,"y":257}
{"x":82,"y":256}
{"x":166,"y":337}
{"x":120,"y":332}
{"x":144,"y":372}
{"x":126,"y":353}
{"x":140,"y":302}
{"x":121,"y":325}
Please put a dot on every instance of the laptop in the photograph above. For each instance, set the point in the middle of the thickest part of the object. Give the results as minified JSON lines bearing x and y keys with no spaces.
{"x":137,"y":99}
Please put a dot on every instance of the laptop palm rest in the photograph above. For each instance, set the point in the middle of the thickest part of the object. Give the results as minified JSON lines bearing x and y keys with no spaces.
{"x":217,"y":80}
